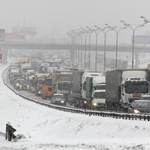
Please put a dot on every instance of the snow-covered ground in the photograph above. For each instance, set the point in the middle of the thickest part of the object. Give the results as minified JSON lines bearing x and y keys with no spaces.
{"x":45,"y":128}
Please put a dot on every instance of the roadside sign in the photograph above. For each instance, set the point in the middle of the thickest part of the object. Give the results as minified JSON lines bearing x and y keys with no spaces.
{"x":14,"y":36}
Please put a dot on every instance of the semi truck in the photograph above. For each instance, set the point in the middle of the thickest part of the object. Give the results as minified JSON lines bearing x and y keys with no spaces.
{"x":125,"y":85}
{"x":62,"y":83}
{"x":37,"y":83}
{"x":47,"y":83}
{"x":24,"y":67}
{"x":75,"y":98}
{"x":82,"y":88}
{"x":38,"y":87}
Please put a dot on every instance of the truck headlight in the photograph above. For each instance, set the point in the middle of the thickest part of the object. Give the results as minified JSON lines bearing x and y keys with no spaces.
{"x":62,"y":101}
{"x":17,"y":84}
{"x":20,"y":87}
{"x":39,"y":92}
{"x":94,"y":104}
{"x":85,"y":102}
{"x":136,"y":111}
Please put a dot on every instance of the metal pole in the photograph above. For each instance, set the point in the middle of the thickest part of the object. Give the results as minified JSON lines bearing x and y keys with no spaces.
{"x":81,"y":50}
{"x":104,"y":51}
{"x":103,"y":30}
{"x":73,"y":49}
{"x":72,"y":36}
{"x":85,"y":53}
{"x":133,"y":51}
{"x":96,"y":54}
{"x":133,"y":30}
{"x":78,"y":50}
{"x":89,"y":49}
{"x":116,"y":50}
{"x":89,"y":32}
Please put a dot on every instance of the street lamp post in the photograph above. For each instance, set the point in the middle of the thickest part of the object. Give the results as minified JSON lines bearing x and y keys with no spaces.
{"x":76,"y":47}
{"x":72,"y":36}
{"x":145,"y":19}
{"x":85,"y":33}
{"x":81,"y":32}
{"x":96,"y":33}
{"x":90,"y":32}
{"x":105,"y":33}
{"x":117,"y":32}
{"x":133,"y":31}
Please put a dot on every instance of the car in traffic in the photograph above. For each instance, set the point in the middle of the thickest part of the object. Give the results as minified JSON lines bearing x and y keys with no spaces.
{"x":140,"y":107}
{"x":21,"y":84}
{"x":58,"y":99}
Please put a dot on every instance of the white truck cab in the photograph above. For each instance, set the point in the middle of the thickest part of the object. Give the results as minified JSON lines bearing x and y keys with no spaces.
{"x":134,"y":85}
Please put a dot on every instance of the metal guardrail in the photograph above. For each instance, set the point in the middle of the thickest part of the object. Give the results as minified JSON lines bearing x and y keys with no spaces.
{"x":115,"y":115}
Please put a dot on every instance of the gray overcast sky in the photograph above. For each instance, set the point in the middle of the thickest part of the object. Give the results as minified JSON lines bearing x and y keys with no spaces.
{"x":56,"y":17}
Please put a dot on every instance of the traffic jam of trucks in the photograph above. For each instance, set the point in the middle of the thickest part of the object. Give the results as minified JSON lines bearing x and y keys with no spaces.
{"x":113,"y":90}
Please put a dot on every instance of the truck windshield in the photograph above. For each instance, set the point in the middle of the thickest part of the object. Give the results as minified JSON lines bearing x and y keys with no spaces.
{"x":99,"y":87}
{"x":136,"y":87}
{"x":98,"y":95}
{"x":25,"y":70}
{"x":48,"y":82}
{"x":141,"y":104}
{"x":22,"y":81}
{"x":58,"y":97}
{"x":64,"y":86}
{"x":40,"y":81}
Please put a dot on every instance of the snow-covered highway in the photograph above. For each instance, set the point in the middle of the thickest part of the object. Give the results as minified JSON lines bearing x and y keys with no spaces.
{"x":46,"y":128}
